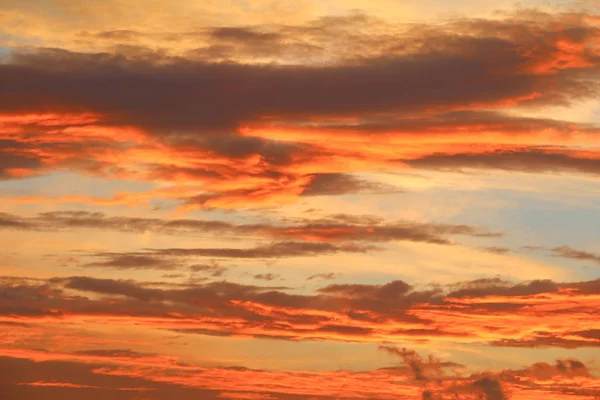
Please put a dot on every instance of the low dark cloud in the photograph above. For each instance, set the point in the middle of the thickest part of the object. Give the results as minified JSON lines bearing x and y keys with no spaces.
{"x":424,"y":68}
{"x":214,"y":269}
{"x":339,"y":184}
{"x":267,"y":277}
{"x":394,"y":288}
{"x":272,"y":250}
{"x":133,"y":261}
{"x":9,"y":221}
{"x":518,"y":161}
{"x":421,"y":369}
{"x":72,"y":220}
{"x":496,"y":249}
{"x":219,"y":100}
{"x":20,"y":375}
{"x":537,"y":309}
{"x":357,"y":228}
{"x":491,"y":389}
{"x":449,"y":123}
{"x":499,"y":287}
{"x":336,"y":228}
{"x":125,"y":374}
{"x":11,"y":165}
{"x":113,"y":287}
{"x":125,"y":353}
{"x":325,"y":276}
{"x":569,"y":252}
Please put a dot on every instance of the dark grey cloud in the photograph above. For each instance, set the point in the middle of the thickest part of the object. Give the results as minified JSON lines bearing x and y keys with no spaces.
{"x":172,"y":276}
{"x":214,"y":269}
{"x":267,"y":277}
{"x":19,"y":372}
{"x":325,"y":276}
{"x":338,"y":184}
{"x":340,"y":227}
{"x":569,"y":252}
{"x":10,"y":221}
{"x":546,"y":340}
{"x":97,"y":380}
{"x":14,"y":156}
{"x":133,"y":261}
{"x":125,"y":353}
{"x":114,"y":287}
{"x":272,"y":250}
{"x":361,"y":305}
{"x":447,"y":123}
{"x":394,"y":288}
{"x":417,"y":79}
{"x":421,"y":369}
{"x":518,"y":161}
{"x":496,"y":249}
{"x":327,"y":230}
{"x":96,"y":220}
{"x":491,"y":388}
{"x":426,"y":67}
{"x":499,"y":287}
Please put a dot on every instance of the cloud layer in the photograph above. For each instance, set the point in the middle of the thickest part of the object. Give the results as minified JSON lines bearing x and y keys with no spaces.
{"x":535,"y":314}
{"x":250,"y":133}
{"x":287,"y":185}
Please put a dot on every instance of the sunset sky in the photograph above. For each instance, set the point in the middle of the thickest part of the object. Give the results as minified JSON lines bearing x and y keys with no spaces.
{"x":289,"y":200}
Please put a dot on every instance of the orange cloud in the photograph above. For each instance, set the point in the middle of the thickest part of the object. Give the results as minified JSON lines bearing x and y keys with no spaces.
{"x":269,"y":128}
{"x":534,"y":314}
{"x":568,"y":377}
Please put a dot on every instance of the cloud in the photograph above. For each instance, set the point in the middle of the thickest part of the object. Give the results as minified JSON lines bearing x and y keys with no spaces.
{"x":118,"y":353}
{"x":301,"y":237}
{"x":394,"y":288}
{"x":542,"y":313}
{"x":132,"y":261}
{"x":498,"y":287}
{"x":251,"y":132}
{"x":466,"y":123}
{"x":267,"y":277}
{"x":14,"y":164}
{"x":496,"y":249}
{"x":569,"y":252}
{"x":334,"y":228}
{"x":8,"y":221}
{"x":251,"y":117}
{"x":71,"y":379}
{"x":520,"y":161}
{"x":491,"y":389}
{"x":440,"y":380}
{"x":421,"y":369}
{"x":325,"y":275}
{"x":272,"y":250}
{"x":398,"y":65}
{"x":114,"y":287}
{"x":368,"y":230}
{"x":214,"y":269}
{"x":39,"y":373}
{"x":338,"y":184}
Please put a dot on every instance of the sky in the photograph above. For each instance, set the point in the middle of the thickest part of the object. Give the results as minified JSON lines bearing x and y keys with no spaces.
{"x":320,"y":200}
